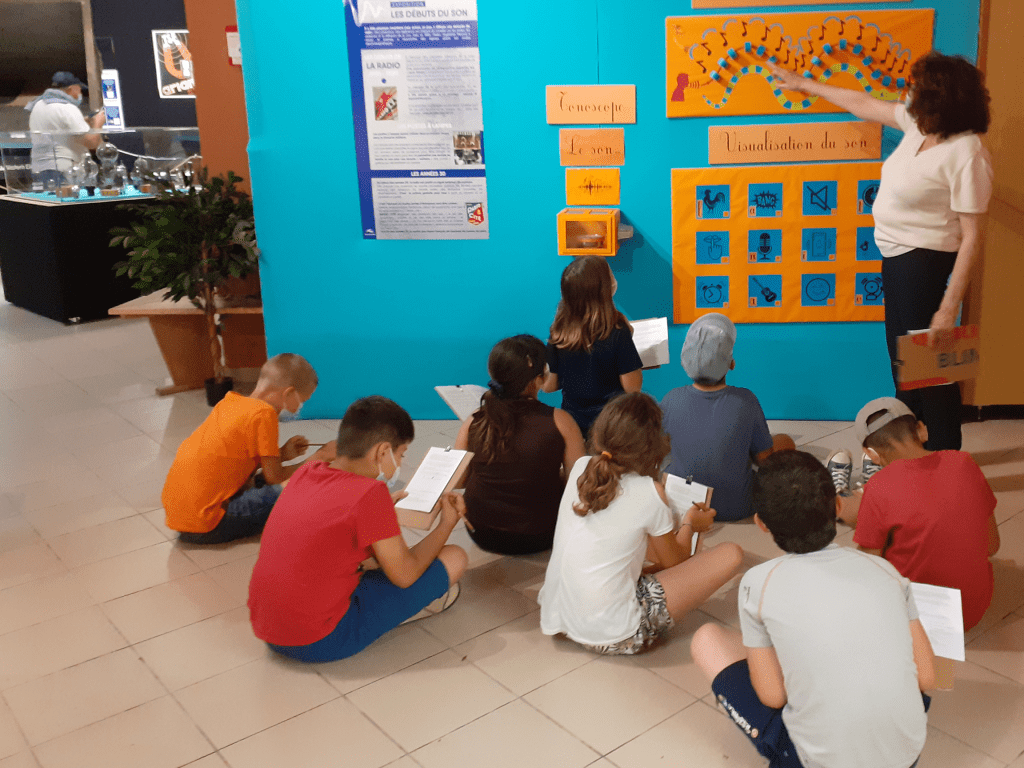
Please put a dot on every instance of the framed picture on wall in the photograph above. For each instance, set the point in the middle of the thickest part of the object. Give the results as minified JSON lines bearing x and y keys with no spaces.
{"x":174,"y":74}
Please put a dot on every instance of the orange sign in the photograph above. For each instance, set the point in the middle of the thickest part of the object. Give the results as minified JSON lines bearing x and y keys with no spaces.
{"x":592,"y":186}
{"x":716,"y":65}
{"x":793,"y":143}
{"x":591,"y":104}
{"x":592,"y":146}
{"x":924,"y":366}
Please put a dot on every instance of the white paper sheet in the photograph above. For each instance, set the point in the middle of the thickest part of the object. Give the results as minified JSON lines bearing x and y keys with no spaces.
{"x":463,"y":399}
{"x":683,"y":495}
{"x":431,"y":477}
{"x":651,"y":340}
{"x":942,"y":617}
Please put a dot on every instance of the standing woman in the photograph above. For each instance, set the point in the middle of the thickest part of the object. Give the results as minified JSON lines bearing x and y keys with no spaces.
{"x":935,"y":188}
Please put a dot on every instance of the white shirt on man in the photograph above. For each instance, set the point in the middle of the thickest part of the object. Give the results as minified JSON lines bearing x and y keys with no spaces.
{"x":589,"y":590}
{"x":59,"y":150}
{"x":922,"y":192}
{"x":839,"y":621}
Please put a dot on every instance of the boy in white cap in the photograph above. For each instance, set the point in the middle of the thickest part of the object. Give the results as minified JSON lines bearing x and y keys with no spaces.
{"x":717,"y":431}
{"x":929,"y":513}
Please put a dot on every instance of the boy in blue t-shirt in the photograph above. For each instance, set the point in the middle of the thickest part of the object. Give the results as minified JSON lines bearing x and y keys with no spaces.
{"x":717,"y":431}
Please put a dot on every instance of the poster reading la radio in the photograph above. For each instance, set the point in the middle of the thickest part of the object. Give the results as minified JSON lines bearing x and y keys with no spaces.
{"x":415,"y":69}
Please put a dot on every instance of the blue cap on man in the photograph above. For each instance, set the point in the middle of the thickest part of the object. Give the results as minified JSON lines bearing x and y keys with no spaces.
{"x":66,"y":79}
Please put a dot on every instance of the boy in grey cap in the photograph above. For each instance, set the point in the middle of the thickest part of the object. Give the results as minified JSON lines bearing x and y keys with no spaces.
{"x":929,"y":513}
{"x":717,"y":431}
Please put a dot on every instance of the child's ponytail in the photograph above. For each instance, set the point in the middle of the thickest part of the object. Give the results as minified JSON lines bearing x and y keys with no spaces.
{"x":627,"y":437}
{"x":513,"y":364}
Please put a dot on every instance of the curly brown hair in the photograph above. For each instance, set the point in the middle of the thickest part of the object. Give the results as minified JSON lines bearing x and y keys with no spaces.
{"x":627,"y":437}
{"x":948,"y":96}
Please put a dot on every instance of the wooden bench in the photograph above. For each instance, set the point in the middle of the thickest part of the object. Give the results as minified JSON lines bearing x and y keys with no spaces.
{"x":180,"y":331}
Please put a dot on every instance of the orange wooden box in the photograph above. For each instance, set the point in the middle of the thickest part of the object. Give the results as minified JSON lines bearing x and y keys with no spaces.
{"x":588,"y":231}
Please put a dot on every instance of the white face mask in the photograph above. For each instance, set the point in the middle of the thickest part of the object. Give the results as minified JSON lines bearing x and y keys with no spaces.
{"x":392,"y":481}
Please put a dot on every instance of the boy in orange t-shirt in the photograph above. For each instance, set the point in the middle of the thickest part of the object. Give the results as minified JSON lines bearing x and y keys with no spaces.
{"x":212,"y":494}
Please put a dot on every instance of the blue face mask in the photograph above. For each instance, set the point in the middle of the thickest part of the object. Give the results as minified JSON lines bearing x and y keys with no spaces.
{"x":285,"y":415}
{"x":392,"y":481}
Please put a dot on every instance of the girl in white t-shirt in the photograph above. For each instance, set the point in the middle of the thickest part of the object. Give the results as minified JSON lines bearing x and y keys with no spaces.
{"x":613,"y":514}
{"x":934,"y":190}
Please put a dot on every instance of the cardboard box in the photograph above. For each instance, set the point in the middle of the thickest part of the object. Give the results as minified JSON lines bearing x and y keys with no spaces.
{"x":924,"y":366}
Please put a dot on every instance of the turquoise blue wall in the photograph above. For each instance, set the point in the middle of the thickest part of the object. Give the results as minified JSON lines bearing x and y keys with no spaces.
{"x":399,"y":317}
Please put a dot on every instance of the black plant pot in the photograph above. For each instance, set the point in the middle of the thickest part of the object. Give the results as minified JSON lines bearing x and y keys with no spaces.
{"x":215,"y":390}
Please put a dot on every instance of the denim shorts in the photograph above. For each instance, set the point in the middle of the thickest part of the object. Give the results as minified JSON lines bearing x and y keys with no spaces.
{"x":376,"y":607}
{"x":245,"y":514}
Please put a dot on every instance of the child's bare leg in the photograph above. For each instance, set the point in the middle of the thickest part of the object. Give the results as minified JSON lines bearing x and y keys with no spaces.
{"x":715,"y":647}
{"x":849,"y":507}
{"x":693,"y":581}
{"x":454,"y":559}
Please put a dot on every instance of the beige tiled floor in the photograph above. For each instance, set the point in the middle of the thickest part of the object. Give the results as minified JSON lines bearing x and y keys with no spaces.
{"x":120,"y":647}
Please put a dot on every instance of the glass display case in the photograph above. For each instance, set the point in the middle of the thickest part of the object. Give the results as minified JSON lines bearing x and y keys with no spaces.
{"x":134,"y":162}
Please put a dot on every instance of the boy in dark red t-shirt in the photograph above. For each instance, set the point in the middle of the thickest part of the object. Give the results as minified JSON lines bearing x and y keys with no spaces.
{"x":310,"y":597}
{"x":928,"y":513}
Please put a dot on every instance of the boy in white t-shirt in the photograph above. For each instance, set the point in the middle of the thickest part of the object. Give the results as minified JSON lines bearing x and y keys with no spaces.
{"x":829,"y":669}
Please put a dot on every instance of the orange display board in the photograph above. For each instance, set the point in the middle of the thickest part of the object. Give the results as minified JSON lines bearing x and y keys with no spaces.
{"x":786,"y":243}
{"x":716,"y":64}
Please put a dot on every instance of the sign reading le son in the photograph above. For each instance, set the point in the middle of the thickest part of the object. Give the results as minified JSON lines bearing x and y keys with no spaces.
{"x":591,"y":104}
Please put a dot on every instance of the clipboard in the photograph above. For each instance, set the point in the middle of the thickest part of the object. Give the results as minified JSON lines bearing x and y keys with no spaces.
{"x":463,"y":399}
{"x":416,"y":518}
{"x":684,"y":491}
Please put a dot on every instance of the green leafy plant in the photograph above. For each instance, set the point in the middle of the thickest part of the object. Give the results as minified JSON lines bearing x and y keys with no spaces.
{"x":190,"y":243}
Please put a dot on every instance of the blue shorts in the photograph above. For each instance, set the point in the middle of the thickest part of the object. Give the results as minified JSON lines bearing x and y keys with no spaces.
{"x":376,"y":607}
{"x":762,"y":724}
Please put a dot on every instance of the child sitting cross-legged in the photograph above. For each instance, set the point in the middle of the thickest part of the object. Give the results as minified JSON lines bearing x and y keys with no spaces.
{"x":614,"y":508}
{"x":227,"y":475}
{"x":310,"y":597}
{"x":718,"y":431}
{"x":832,"y":660}
{"x":928,"y":513}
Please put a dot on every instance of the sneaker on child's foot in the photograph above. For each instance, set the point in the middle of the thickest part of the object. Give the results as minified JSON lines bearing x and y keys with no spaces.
{"x":867,"y":469}
{"x":443,"y":603}
{"x":840,"y":466}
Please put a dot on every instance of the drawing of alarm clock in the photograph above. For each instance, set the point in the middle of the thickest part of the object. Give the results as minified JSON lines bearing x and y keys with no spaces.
{"x":872,"y":288}
{"x":712,"y":293}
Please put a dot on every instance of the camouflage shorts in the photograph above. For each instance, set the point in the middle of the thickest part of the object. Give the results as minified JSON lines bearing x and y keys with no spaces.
{"x":654,"y":621}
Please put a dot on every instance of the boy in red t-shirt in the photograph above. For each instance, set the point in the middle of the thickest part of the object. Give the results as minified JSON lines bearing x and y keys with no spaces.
{"x":310,"y":597}
{"x":928,"y":513}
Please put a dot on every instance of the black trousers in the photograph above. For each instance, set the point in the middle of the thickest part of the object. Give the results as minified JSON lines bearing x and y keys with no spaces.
{"x":914,"y":284}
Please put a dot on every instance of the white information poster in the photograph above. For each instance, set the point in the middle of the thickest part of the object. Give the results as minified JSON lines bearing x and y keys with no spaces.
{"x":418,"y":116}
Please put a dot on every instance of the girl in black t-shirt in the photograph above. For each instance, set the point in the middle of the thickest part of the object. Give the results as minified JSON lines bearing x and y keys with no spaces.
{"x":523,"y":451}
{"x":591,"y":354}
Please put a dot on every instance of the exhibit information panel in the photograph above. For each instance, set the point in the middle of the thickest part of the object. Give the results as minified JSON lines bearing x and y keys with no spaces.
{"x":418,"y":119}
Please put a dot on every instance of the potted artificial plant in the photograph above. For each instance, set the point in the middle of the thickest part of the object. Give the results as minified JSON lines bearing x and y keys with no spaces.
{"x":192,"y":243}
